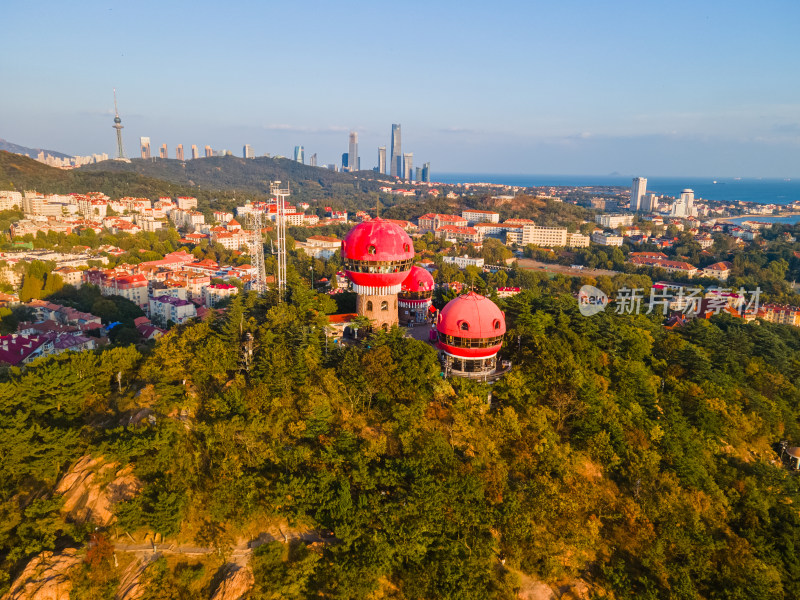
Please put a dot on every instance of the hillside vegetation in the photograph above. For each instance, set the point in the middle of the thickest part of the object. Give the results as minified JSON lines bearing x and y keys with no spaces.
{"x":633,"y":459}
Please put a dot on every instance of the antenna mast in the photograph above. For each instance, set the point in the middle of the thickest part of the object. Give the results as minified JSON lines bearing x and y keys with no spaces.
{"x":280,"y":195}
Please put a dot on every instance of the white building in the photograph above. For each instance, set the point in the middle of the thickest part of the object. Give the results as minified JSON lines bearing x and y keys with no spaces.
{"x":638,"y":190}
{"x":606,"y":239}
{"x":463,"y":261}
{"x":684,"y":206}
{"x":480,"y":216}
{"x":544,"y":236}
{"x":216,"y":292}
{"x":613,"y":221}
{"x":168,"y":308}
{"x":186,"y":202}
{"x":577,"y":240}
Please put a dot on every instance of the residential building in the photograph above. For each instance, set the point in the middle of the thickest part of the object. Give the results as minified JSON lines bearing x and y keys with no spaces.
{"x":299,"y":154}
{"x":144,"y":144}
{"x":179,"y":152}
{"x":186,"y":202}
{"x":606,"y":239}
{"x":70,"y":275}
{"x":684,"y":206}
{"x":247,"y":151}
{"x":209,"y":151}
{"x":132,"y":287}
{"x":546,"y":237}
{"x":195,"y":153}
{"x":480,"y":216}
{"x":613,"y":221}
{"x":433,"y":221}
{"x":459,"y":234}
{"x":165,"y":309}
{"x":670,"y":266}
{"x":162,"y":152}
{"x":720,"y":270}
{"x":320,"y":246}
{"x":216,"y":292}
{"x":577,"y":240}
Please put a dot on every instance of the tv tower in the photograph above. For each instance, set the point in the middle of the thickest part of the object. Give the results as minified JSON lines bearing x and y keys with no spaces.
{"x":118,"y":126}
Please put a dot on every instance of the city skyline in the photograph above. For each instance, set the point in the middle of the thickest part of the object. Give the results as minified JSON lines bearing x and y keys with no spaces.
{"x":708,"y":104}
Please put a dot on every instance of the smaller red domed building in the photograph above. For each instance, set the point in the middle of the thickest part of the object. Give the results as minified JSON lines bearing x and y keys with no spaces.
{"x":470,"y":331}
{"x":377,"y":257}
{"x":415,"y":296}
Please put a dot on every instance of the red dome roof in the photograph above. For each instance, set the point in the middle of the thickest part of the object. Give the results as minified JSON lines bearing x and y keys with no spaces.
{"x":418,"y":280}
{"x":377,"y":240}
{"x":383,"y":243}
{"x":472,"y":317}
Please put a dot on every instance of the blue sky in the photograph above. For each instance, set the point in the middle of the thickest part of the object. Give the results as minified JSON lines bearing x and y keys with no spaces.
{"x":570,"y":87}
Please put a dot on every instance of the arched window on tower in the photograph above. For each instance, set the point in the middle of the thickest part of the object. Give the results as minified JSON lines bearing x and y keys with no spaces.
{"x":369,"y":305}
{"x":384,"y":305}
{"x":464,"y":326}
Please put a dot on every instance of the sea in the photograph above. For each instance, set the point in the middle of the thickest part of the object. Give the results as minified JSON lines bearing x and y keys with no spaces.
{"x":730,"y":189}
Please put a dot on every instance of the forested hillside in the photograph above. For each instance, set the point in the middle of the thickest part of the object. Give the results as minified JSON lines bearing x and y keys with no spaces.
{"x":616,"y":455}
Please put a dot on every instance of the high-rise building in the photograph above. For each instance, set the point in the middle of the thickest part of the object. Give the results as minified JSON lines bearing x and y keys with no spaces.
{"x":118,"y":126}
{"x":179,"y":152}
{"x":638,"y":190}
{"x":684,"y":206}
{"x":426,"y":172}
{"x":352,"y":154}
{"x":418,"y":174}
{"x":408,"y":165}
{"x":209,"y":152}
{"x":299,"y":154}
{"x":382,"y":159}
{"x":144,"y":143}
{"x":344,"y":161}
{"x":396,"y":165}
{"x":247,"y":151}
{"x":312,"y":160}
{"x":195,"y":153}
{"x":162,"y":152}
{"x":649,"y":202}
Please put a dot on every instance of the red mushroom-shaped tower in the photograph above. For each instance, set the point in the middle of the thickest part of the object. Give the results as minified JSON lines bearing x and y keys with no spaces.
{"x":377,"y":257}
{"x":415,"y":296}
{"x":470,"y":333}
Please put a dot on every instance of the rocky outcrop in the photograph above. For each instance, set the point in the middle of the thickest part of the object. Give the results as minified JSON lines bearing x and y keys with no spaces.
{"x":236,"y":585}
{"x":129,"y":582}
{"x":46,"y":577}
{"x":93,"y":486}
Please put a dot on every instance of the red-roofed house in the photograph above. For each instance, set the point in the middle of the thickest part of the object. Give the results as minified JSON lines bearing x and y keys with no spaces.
{"x":720,"y":270}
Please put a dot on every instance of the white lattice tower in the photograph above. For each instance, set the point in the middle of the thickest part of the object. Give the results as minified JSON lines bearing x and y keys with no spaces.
{"x":259,"y":284}
{"x":280,"y":195}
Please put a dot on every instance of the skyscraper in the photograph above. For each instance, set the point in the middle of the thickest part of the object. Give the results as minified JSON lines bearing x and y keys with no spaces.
{"x":195,"y":153}
{"x":426,"y":172}
{"x":418,"y":174}
{"x":179,"y":152}
{"x":162,"y":152}
{"x":397,"y":153}
{"x":312,"y":160}
{"x":118,"y":126}
{"x":382,"y":159}
{"x":144,"y":143}
{"x":408,"y":165}
{"x":352,"y":154}
{"x":209,"y":152}
{"x":247,"y":151}
{"x":638,"y":190}
{"x":299,"y":154}
{"x":649,"y":202}
{"x":344,"y":161}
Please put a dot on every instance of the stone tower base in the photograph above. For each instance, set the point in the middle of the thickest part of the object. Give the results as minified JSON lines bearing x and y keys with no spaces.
{"x":381,"y":309}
